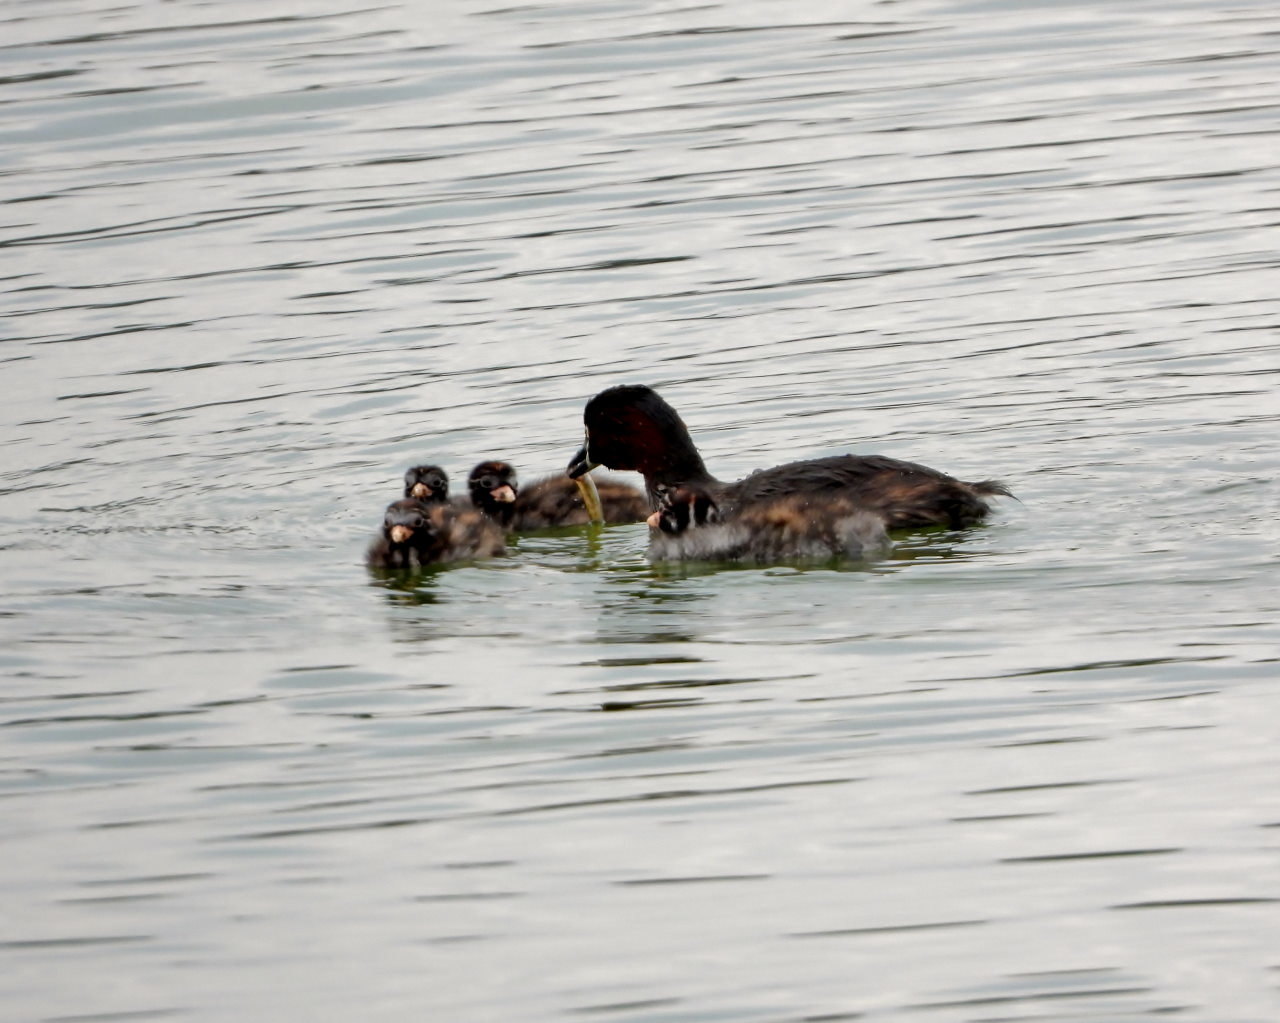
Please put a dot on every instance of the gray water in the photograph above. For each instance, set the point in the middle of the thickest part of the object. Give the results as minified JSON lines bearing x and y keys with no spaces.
{"x":259,"y":258}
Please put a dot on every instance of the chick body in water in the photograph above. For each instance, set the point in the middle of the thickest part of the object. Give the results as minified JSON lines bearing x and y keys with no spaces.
{"x":416,"y":534}
{"x":552,"y":501}
{"x":690,"y":525}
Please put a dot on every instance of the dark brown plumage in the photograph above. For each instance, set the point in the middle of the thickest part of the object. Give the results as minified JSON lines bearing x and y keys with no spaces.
{"x":553,"y":501}
{"x":416,"y":534}
{"x":631,"y":427}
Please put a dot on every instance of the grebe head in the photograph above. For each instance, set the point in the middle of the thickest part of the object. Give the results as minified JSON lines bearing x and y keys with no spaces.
{"x":427,"y":483}
{"x":492,"y":485}
{"x":632,"y":428}
{"x":683,"y":508}
{"x":407,"y":521}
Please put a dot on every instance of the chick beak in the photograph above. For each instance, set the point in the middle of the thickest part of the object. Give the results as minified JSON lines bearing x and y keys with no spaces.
{"x":420,"y":490}
{"x":503,"y":494}
{"x":399,"y":534}
{"x":654,"y":519}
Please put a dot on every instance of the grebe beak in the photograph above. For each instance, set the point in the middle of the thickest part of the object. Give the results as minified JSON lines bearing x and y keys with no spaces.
{"x":654,"y":519}
{"x":503,"y":494}
{"x":580,"y":464}
{"x":399,"y":534}
{"x":420,"y":490}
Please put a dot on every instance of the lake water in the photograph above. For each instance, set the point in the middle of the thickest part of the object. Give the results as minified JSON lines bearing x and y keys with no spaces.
{"x":260,"y":258}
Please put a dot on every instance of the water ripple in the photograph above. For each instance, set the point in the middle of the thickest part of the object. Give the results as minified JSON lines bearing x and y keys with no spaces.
{"x":261,"y":262}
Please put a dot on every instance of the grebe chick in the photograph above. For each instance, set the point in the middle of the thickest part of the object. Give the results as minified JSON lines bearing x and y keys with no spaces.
{"x":689,"y":526}
{"x":631,"y":427}
{"x":553,"y":501}
{"x":415,"y":534}
{"x":427,"y":483}
{"x":492,"y":486}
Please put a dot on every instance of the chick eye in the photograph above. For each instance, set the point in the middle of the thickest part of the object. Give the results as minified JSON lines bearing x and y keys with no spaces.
{"x":488,"y":482}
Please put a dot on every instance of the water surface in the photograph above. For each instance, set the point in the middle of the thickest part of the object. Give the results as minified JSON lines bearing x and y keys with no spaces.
{"x":261,"y":259}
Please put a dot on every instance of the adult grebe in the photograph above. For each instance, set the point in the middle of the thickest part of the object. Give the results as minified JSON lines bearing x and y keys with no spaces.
{"x":631,"y":427}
